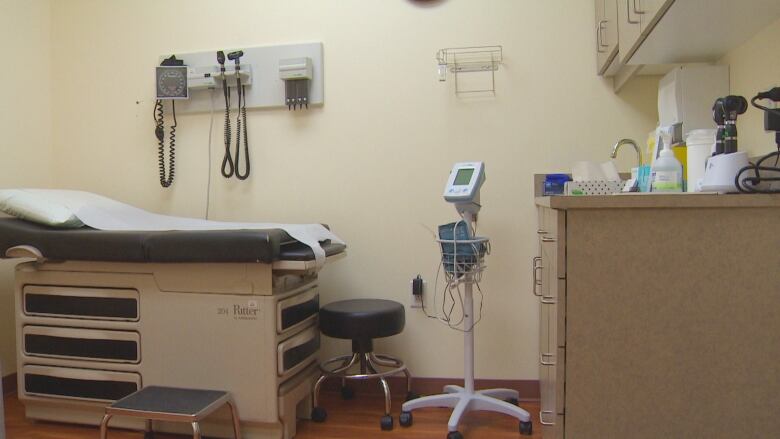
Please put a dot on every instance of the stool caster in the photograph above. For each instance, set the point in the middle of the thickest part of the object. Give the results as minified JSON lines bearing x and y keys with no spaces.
{"x":410,"y":396}
{"x":386,"y":423}
{"x":454,"y":435}
{"x":406,"y":419}
{"x":347,"y":393}
{"x":526,"y":428}
{"x":513,"y":401}
{"x":318,"y":414}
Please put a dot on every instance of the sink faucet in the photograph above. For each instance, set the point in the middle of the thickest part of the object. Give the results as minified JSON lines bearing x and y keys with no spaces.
{"x":622,"y":142}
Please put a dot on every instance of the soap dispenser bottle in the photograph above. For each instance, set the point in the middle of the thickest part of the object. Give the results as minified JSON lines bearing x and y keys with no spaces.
{"x":667,"y":171}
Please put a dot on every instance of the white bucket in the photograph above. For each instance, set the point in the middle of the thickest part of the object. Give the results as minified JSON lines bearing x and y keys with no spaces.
{"x":700,"y":145}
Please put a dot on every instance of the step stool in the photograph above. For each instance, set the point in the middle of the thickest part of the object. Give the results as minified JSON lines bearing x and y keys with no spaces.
{"x":156,"y":403}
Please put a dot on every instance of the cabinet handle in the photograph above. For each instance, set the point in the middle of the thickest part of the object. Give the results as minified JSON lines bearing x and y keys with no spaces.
{"x":544,"y":355}
{"x":541,"y":417}
{"x":602,"y":26}
{"x":548,"y":300}
{"x":548,"y":239}
{"x":537,"y":265}
{"x":628,"y":13}
{"x":540,"y":231}
{"x":598,"y":49}
{"x":637,"y":10}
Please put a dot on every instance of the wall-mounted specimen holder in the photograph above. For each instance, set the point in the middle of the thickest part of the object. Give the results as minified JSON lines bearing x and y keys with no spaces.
{"x":457,"y":60}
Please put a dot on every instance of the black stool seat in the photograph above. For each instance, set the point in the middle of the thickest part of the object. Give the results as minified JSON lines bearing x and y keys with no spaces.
{"x":362,"y":319}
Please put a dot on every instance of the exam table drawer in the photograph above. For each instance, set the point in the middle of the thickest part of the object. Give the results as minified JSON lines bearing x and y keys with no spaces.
{"x":82,"y":344}
{"x":81,"y":303}
{"x":81,"y":384}
{"x":298,"y":310}
{"x":297,"y":351}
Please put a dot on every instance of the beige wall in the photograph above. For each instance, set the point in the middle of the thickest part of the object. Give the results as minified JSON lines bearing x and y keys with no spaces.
{"x":755,"y":67}
{"x":25,"y":125}
{"x":372,"y":161}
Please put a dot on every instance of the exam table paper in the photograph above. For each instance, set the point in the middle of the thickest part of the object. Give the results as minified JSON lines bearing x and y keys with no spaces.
{"x":104,"y":213}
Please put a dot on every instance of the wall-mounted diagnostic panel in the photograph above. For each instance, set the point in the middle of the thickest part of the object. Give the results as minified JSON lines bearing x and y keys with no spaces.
{"x":289,"y":75}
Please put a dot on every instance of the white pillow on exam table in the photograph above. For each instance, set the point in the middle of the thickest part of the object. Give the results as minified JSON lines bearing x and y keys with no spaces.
{"x":37,"y":208}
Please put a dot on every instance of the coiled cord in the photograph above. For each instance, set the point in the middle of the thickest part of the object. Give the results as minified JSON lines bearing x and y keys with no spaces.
{"x":227,"y":161}
{"x":242,"y":119}
{"x":159,"y":131}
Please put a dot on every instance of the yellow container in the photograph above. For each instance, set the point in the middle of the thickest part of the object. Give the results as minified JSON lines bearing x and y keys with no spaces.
{"x":681,"y":154}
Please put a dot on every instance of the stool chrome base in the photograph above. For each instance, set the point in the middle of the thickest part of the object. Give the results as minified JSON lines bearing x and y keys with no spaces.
{"x":369,"y":366}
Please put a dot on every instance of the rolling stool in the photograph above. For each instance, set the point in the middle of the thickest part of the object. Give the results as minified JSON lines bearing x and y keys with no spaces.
{"x":156,"y":403}
{"x":362,"y":320}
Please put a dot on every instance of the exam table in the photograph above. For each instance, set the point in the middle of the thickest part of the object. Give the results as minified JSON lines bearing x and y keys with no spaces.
{"x":100,"y":314}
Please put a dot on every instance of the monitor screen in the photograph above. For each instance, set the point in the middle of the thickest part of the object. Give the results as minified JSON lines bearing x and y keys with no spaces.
{"x":463,"y":177}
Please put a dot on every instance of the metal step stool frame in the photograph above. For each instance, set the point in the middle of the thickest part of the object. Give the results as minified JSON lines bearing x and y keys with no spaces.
{"x":192,"y":418}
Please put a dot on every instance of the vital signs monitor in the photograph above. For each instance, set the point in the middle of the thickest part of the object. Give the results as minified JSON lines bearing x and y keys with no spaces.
{"x":465,"y":180}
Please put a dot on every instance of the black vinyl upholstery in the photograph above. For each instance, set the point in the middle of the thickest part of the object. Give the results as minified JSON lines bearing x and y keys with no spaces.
{"x":362,"y":319}
{"x":87,"y":244}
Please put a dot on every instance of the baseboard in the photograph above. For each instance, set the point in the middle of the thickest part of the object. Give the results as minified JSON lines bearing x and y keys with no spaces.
{"x":9,"y":384}
{"x":528,"y":389}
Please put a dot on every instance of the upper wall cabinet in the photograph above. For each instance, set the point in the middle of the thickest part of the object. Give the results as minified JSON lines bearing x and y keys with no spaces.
{"x":636,"y":20}
{"x":656,"y":33}
{"x":606,"y":34}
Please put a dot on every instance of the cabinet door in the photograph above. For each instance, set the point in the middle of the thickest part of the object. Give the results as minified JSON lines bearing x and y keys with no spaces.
{"x":547,"y":372}
{"x":629,"y":29}
{"x":647,"y":11}
{"x":606,"y":29}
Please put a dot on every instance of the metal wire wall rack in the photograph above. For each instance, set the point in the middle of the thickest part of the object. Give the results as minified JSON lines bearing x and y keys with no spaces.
{"x":470,"y":60}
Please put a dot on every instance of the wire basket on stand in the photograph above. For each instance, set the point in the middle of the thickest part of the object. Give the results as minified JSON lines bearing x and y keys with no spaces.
{"x":462,"y":254}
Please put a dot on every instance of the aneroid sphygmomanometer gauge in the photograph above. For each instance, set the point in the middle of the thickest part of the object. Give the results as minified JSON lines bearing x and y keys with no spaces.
{"x":172,"y":82}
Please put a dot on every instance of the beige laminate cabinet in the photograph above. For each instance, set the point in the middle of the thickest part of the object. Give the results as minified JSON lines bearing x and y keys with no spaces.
{"x":660,"y":316}
{"x":606,"y":35}
{"x":636,"y":19}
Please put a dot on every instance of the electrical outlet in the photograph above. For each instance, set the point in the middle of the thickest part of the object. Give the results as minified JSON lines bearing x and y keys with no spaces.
{"x":414,"y":300}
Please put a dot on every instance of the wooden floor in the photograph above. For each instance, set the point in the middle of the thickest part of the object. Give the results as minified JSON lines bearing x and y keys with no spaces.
{"x":358,"y":418}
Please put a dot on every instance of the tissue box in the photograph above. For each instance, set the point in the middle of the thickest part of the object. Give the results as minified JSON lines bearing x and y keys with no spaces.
{"x":594,"y":187}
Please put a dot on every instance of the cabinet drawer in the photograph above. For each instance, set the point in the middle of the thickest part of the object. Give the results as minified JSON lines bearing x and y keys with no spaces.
{"x":82,"y":344}
{"x":81,"y":303}
{"x":552,"y":426}
{"x":552,"y":236}
{"x":560,"y":313}
{"x":560,"y":382}
{"x":297,"y":351}
{"x":81,"y":384}
{"x":297,"y":311}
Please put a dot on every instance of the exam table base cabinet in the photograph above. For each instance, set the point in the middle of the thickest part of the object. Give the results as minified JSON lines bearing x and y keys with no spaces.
{"x":656,"y":323}
{"x":91,"y":333}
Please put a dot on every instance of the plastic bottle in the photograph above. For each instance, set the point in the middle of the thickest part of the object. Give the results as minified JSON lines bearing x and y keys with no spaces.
{"x":667,"y":173}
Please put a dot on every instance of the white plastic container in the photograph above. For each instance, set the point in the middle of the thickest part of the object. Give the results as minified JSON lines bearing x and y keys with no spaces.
{"x":667,"y":171}
{"x":700,"y":144}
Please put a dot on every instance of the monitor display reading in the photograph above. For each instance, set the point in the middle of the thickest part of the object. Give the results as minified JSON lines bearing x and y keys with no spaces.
{"x":463,"y":177}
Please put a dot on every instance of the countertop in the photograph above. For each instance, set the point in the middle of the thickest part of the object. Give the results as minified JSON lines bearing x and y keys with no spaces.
{"x":657,"y":201}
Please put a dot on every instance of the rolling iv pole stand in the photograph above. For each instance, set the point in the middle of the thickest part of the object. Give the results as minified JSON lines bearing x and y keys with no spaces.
{"x":465,"y":399}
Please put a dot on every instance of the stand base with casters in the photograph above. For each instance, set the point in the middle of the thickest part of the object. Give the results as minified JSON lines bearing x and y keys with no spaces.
{"x":462,"y":401}
{"x":370,"y":365}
